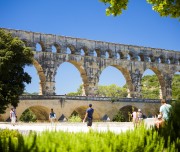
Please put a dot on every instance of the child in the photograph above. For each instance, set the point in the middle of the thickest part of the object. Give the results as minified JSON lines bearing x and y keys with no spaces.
{"x":159,"y":122}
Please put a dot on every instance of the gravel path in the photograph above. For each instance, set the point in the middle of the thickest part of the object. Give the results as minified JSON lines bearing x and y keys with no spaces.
{"x":116,"y":127}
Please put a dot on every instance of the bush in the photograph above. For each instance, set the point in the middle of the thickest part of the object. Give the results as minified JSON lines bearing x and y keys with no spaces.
{"x":171,"y":132}
{"x":10,"y":140}
{"x":119,"y":117}
{"x":75,"y":118}
{"x":28,"y":116}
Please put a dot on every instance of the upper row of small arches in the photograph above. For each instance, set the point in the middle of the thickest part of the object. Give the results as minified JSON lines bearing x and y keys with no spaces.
{"x":108,"y":54}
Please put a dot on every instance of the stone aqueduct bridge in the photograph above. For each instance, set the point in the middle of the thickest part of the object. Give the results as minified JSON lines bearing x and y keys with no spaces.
{"x":132,"y":61}
{"x":91,"y":58}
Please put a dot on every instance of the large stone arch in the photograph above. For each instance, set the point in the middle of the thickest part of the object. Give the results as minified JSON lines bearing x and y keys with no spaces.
{"x":41,"y":75}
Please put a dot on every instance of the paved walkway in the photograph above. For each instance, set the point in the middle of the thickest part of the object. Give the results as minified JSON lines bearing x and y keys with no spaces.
{"x":116,"y":127}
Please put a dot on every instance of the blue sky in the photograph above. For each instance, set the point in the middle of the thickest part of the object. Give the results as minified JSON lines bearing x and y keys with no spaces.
{"x":138,"y":25}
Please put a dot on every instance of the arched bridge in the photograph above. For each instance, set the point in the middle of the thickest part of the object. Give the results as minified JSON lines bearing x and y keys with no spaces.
{"x":65,"y":106}
{"x":91,"y":57}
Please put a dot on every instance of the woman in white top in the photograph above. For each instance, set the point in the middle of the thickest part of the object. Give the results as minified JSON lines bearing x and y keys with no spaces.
{"x":13,"y":116}
{"x":134,"y":118}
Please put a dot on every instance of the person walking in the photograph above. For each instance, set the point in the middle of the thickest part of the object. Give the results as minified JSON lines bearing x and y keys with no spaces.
{"x":52,"y":116}
{"x":140,"y":116}
{"x":89,"y":116}
{"x":13,"y":116}
{"x":134,"y":118}
{"x":164,"y":110}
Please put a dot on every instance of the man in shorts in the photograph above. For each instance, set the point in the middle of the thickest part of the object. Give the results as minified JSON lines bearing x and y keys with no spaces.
{"x":89,"y":116}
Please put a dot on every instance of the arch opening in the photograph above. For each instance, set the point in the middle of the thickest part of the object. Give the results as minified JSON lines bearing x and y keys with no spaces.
{"x":107,"y":55}
{"x":112,"y":86}
{"x":68,"y":50}
{"x":124,"y":114}
{"x":94,"y":53}
{"x":70,"y":77}
{"x":36,"y":86}
{"x":150,"y":85}
{"x":138,"y":58}
{"x":38,"y":47}
{"x":176,"y":86}
{"x":54,"y":50}
{"x":35,"y":113}
{"x":82,"y":52}
{"x":118,"y":56}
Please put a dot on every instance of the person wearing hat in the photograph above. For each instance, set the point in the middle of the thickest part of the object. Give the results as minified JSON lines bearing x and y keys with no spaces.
{"x":89,"y":115}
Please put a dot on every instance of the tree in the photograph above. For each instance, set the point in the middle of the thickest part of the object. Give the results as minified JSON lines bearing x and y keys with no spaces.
{"x":116,"y":6}
{"x":175,"y":87}
{"x":13,"y":58}
{"x":78,"y":93}
{"x":112,"y":91}
{"x":163,"y":7}
{"x":166,"y":7}
{"x":150,"y":87}
{"x":28,"y":116}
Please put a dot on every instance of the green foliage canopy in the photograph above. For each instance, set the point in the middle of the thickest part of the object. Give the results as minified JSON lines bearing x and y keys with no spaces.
{"x":116,"y":6}
{"x":150,"y":87}
{"x":166,"y":7}
{"x":176,"y":87}
{"x":28,"y":116}
{"x":112,"y":91}
{"x":13,"y":58}
{"x":163,"y":7}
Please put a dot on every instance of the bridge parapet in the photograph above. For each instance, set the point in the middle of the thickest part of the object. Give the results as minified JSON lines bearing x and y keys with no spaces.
{"x":86,"y":98}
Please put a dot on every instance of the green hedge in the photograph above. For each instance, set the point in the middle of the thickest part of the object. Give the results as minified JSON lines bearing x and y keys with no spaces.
{"x":138,"y":140}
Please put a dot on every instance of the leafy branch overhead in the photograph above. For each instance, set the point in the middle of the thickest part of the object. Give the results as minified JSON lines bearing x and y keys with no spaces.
{"x":169,"y":8}
{"x":116,"y":6}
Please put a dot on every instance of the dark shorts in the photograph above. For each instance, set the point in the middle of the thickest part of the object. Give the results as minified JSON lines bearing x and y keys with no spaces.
{"x":89,"y":122}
